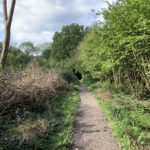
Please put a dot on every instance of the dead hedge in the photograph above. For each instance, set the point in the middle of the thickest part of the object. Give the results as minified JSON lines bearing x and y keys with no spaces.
{"x":29,"y":90}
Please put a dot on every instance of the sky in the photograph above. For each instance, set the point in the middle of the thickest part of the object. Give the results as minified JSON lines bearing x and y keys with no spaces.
{"x":38,"y":20}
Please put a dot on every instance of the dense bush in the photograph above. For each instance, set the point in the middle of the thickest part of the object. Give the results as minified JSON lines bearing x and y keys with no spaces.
{"x":69,"y":76}
{"x":29,"y":90}
{"x":117,"y":49}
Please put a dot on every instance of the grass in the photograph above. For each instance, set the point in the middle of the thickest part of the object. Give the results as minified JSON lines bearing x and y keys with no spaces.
{"x":68,"y":105}
{"x":51,"y":129}
{"x":128,"y":116}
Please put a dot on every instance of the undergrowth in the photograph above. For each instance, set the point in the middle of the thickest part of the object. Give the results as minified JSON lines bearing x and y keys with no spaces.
{"x":51,"y":129}
{"x":37,"y":110}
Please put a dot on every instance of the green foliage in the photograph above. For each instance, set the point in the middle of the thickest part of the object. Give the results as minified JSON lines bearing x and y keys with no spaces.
{"x":68,"y":75}
{"x":47,"y":53}
{"x":17,"y":59}
{"x":60,"y":54}
{"x":66,"y":41}
{"x":67,"y":104}
{"x":29,"y":48}
{"x":117,"y":49}
{"x":60,"y":57}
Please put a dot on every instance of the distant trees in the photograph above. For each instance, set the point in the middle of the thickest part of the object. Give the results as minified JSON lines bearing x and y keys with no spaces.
{"x":17,"y":59}
{"x":27,"y":47}
{"x":66,"y":41}
{"x":59,"y":54}
{"x":7,"y":26}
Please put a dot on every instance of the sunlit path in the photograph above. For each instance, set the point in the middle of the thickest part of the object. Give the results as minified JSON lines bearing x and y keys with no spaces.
{"x":91,"y":130}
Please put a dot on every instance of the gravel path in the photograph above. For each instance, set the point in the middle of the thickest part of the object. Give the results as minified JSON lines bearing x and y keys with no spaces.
{"x":91,"y":130}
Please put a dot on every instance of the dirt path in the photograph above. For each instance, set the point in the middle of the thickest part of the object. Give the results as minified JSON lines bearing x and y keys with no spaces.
{"x":91,"y":130}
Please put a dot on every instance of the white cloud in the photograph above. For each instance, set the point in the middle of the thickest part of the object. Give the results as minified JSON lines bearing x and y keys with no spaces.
{"x":37,"y":20}
{"x":36,"y":37}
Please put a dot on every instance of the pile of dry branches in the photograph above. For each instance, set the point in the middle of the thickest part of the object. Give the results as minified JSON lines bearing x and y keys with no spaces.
{"x":29,"y":90}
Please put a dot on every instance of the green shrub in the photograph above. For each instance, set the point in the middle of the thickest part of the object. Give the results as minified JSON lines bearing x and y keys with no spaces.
{"x":68,"y":75}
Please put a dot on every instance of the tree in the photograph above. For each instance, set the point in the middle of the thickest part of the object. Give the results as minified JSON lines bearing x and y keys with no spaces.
{"x":29,"y":48}
{"x":7,"y":26}
{"x":117,"y":49}
{"x":17,"y":59}
{"x":66,"y":41}
{"x":47,"y":53}
{"x":1,"y":45}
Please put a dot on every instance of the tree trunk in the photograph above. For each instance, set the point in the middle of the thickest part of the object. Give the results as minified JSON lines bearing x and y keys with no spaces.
{"x":5,"y":47}
{"x":7,"y":26}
